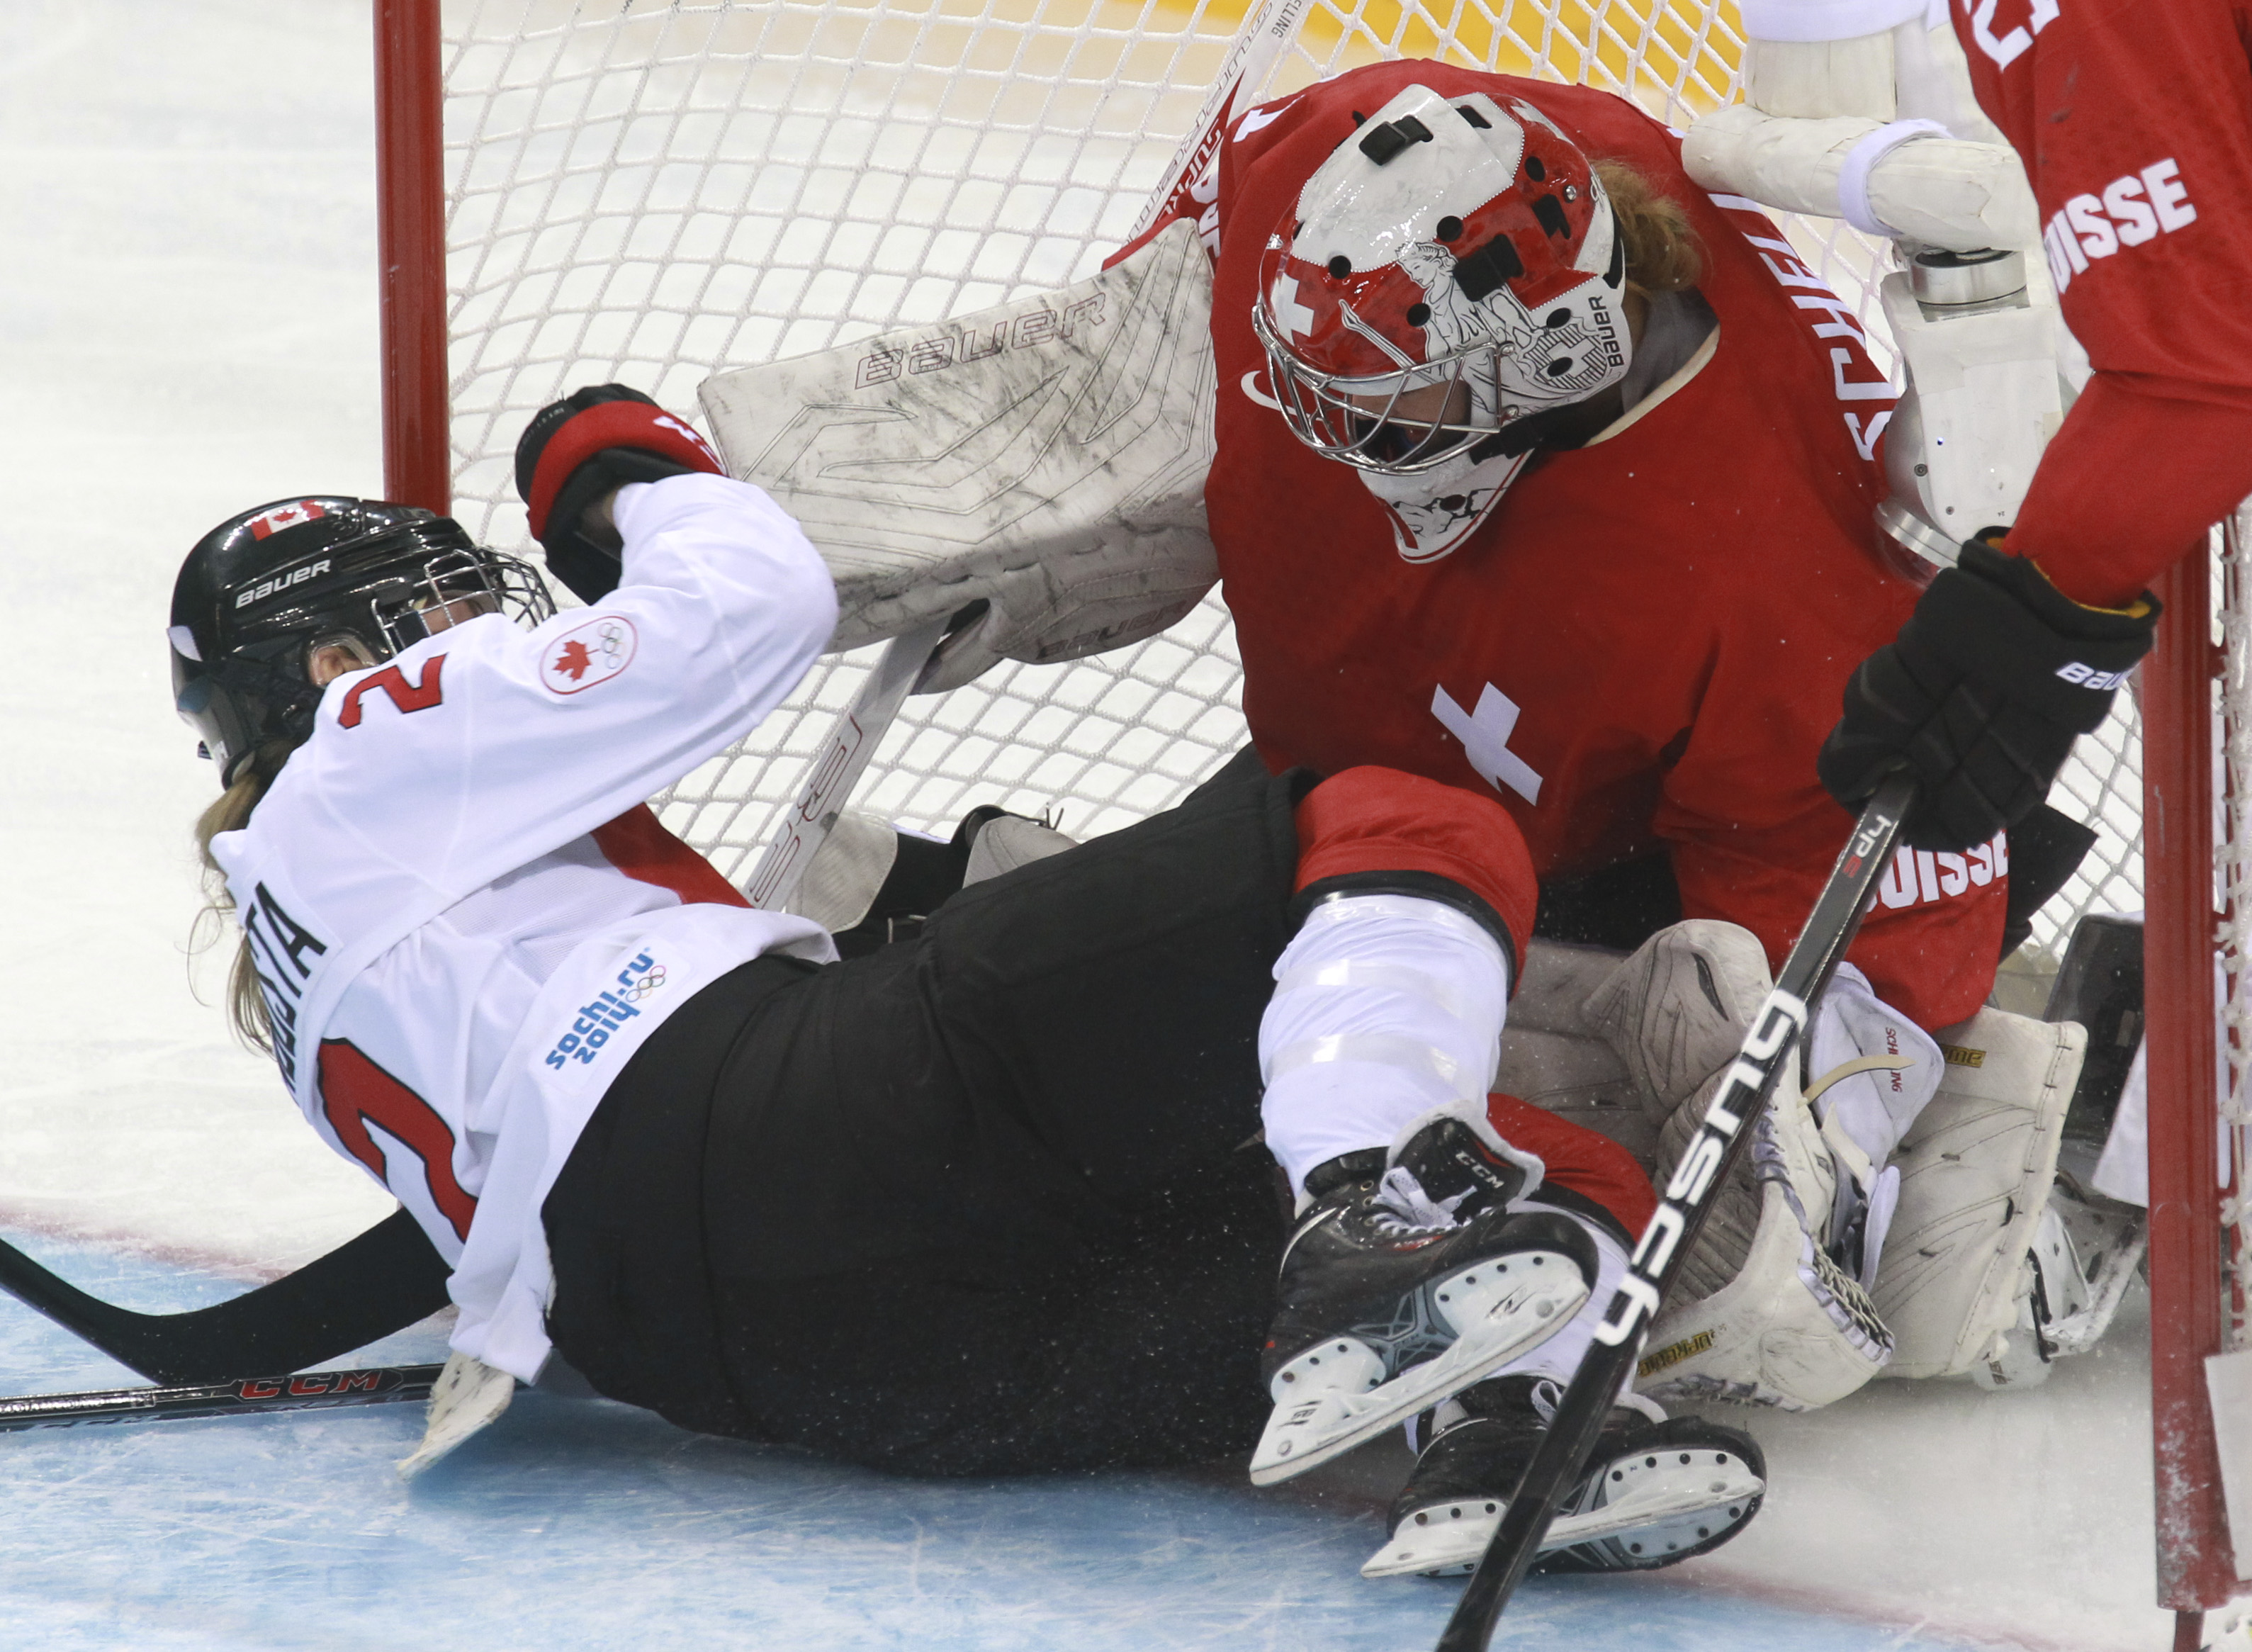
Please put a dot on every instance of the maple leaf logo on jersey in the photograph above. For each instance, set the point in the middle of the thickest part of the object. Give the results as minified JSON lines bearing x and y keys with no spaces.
{"x":282,"y":516}
{"x":588,"y":655}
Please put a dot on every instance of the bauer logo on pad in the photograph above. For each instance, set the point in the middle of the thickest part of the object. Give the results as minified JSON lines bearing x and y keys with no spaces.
{"x":588,"y":654}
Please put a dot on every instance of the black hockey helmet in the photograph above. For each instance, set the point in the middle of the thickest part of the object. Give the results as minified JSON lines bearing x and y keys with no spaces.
{"x":262,"y":591}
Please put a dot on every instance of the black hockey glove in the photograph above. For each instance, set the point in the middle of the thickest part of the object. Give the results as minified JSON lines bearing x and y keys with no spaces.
{"x":592,"y":442}
{"x":1981,"y":696}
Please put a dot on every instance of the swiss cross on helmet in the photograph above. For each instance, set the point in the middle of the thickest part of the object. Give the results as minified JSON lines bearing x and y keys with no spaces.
{"x":262,"y":591}
{"x":1452,"y":269}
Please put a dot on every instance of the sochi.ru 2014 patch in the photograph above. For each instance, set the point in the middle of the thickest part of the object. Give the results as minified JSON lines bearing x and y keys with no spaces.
{"x":588,"y":654}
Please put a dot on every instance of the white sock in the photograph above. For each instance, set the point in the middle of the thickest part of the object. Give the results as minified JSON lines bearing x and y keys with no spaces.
{"x":1385,"y":1007}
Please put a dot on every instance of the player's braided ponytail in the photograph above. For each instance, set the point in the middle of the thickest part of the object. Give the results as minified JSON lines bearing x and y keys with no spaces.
{"x":1662,"y":253}
{"x":231,"y":812}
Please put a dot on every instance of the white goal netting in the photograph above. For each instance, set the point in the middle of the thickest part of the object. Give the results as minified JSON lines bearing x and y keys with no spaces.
{"x":648,"y":190}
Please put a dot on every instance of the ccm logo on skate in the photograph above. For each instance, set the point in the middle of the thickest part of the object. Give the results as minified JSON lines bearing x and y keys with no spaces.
{"x":588,"y":654}
{"x":928,"y":355}
{"x":280,"y":582}
{"x":2089,"y":677}
{"x":612,"y":1009}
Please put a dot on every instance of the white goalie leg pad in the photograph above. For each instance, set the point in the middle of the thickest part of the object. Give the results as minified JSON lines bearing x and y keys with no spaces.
{"x":468,"y":1395}
{"x":846,"y":872}
{"x":1046,"y":458}
{"x":1003,"y":845}
{"x":1675,"y":1011}
{"x":1976,"y":1171}
{"x":1760,"y":1314}
{"x":1550,"y":1059}
{"x":1386,"y":1007}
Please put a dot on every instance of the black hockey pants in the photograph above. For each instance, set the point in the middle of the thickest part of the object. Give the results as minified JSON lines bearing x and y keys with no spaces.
{"x":978,"y":1202}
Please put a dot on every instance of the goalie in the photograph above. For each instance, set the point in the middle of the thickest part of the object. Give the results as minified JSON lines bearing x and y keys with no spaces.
{"x":1551,"y":477}
{"x":976,"y":1203}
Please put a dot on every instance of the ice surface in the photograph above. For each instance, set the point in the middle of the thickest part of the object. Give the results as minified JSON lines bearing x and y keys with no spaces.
{"x":589,"y":1524}
{"x":187,"y":314}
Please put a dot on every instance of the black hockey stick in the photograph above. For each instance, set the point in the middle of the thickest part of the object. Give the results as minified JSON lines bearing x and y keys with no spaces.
{"x":308,"y":1390}
{"x":1776,"y":1029}
{"x":364,"y":1290}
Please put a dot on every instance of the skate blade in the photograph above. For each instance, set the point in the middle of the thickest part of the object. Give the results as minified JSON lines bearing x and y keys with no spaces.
{"x":1456,"y":1536}
{"x":1312,"y":1429}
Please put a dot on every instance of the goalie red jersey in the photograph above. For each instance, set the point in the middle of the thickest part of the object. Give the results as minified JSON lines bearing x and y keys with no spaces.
{"x":1640,"y":646}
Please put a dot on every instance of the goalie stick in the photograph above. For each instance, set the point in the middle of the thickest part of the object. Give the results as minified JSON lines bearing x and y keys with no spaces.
{"x":852,"y":739}
{"x":1266,"y":36}
{"x":243,"y":1396}
{"x":1720,"y":1140}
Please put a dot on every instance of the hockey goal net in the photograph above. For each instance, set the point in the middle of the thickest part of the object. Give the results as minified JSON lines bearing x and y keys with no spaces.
{"x":647,"y":191}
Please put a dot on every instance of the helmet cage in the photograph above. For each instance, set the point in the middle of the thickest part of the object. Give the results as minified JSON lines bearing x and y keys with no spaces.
{"x":1334,"y":414}
{"x":378,"y":596}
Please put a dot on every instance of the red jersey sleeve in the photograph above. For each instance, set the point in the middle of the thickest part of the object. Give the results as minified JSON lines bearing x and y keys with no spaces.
{"x":2135,"y":125}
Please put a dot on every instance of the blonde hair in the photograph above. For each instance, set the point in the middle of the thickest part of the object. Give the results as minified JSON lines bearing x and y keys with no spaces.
{"x":231,"y":812}
{"x":1663,"y":252}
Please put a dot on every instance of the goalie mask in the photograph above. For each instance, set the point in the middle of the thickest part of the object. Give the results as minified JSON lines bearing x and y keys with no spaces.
{"x":1449,"y":275}
{"x":261,"y":592}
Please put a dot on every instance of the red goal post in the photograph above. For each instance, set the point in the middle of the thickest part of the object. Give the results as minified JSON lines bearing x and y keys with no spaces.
{"x":573,"y":191}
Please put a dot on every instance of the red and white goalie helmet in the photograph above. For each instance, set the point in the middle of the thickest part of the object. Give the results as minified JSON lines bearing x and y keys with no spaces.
{"x":1459,"y":242}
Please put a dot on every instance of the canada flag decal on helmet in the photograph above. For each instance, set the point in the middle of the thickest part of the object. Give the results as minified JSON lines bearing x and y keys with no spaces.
{"x":282,"y":516}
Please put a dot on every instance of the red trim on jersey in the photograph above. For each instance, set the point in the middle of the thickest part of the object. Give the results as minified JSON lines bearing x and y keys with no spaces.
{"x":355,"y":1090}
{"x":637,"y":844}
{"x":1372,"y":820}
{"x":1592,"y":1166}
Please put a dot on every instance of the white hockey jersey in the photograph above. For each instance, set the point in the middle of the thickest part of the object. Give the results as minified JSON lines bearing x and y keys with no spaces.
{"x":463,"y":920}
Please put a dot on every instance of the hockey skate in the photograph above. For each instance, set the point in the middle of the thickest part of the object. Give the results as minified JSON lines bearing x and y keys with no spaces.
{"x":2084,"y":1252}
{"x":1405,"y":1282}
{"x":1654,"y":1492}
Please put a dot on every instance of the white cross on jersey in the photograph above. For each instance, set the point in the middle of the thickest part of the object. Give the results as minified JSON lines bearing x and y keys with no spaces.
{"x":1295,"y":317}
{"x":1485,"y":740}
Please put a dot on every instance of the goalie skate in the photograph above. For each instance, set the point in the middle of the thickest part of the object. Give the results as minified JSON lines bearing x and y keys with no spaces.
{"x":1403,"y":1286}
{"x":1654,"y":1493}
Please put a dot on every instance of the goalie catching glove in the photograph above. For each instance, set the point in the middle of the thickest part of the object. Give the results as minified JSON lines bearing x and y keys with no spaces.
{"x":1981,"y":696}
{"x":583,"y":448}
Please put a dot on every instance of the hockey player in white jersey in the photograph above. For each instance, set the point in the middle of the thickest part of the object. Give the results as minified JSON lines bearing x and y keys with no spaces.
{"x":982,"y":1202}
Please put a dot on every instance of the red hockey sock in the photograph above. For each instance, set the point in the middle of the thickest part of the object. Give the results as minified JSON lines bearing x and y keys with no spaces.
{"x":1592,"y":1166}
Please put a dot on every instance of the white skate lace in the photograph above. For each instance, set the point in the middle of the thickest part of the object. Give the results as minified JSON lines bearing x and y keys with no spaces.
{"x":1403,"y":1206}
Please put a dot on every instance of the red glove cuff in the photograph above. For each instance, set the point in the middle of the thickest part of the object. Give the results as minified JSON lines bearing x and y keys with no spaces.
{"x":611,"y":424}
